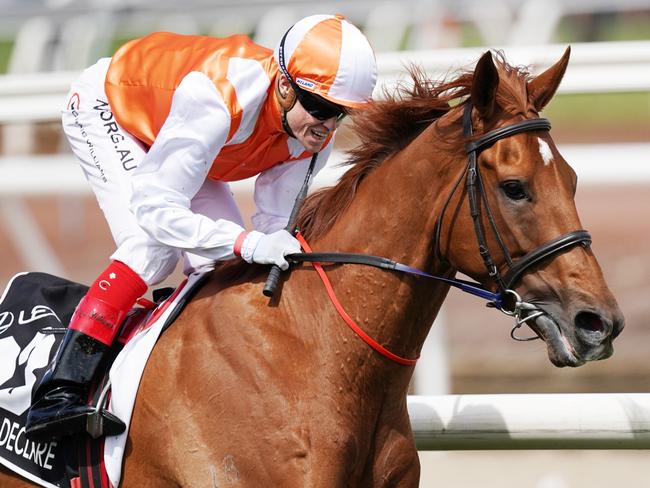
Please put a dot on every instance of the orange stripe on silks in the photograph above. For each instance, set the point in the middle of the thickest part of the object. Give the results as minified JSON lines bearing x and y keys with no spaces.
{"x":216,"y":68}
{"x":144,"y":74}
{"x":264,"y":148}
{"x":329,"y":54}
{"x":229,"y":96}
{"x":236,"y":250}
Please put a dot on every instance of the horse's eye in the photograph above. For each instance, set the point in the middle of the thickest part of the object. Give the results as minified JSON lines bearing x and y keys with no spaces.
{"x":514,"y":190}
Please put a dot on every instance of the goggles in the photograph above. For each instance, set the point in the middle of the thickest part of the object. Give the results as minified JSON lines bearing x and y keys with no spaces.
{"x":318,"y":107}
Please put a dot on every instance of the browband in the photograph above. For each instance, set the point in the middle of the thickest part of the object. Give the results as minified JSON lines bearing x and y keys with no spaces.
{"x":493,"y":136}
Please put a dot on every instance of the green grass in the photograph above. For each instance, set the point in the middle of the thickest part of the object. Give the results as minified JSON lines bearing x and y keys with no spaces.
{"x":118,"y":43}
{"x":605,"y":117}
{"x":632,"y":26}
{"x":5,"y":51}
{"x":635,"y":28}
{"x":600,"y":109}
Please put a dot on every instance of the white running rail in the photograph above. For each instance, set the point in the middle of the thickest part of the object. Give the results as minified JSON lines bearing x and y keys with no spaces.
{"x":594,"y":68}
{"x":531,"y":421}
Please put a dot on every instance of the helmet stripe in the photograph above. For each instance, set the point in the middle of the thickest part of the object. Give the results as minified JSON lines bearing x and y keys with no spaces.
{"x":329,"y":56}
{"x":357,"y":73}
{"x":324,"y":42}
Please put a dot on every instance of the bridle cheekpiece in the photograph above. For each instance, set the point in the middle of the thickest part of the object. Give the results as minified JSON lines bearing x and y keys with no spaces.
{"x":522,"y":311}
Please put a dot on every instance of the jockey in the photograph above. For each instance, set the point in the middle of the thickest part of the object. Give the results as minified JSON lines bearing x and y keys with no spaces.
{"x":160,"y":129}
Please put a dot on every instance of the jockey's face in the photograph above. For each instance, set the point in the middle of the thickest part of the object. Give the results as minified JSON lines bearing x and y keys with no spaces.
{"x":310,"y":131}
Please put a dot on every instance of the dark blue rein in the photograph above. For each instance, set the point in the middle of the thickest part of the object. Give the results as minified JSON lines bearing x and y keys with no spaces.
{"x":470,"y":287}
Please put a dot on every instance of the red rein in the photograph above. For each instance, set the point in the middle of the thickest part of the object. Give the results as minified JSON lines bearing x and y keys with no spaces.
{"x":348,"y":320}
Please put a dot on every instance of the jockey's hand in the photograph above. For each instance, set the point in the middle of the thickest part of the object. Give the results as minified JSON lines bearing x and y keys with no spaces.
{"x":272,"y":248}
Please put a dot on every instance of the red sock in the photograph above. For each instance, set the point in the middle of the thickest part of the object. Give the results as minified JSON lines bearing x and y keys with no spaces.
{"x":111,"y":296}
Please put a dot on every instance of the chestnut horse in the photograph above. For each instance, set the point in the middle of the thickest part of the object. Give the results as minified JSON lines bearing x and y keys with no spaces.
{"x":251,"y":392}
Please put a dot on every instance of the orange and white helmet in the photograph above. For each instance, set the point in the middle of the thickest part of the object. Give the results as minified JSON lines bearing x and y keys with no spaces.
{"x":329,"y":56}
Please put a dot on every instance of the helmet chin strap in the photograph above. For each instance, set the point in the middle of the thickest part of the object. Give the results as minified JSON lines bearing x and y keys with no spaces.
{"x":286,"y":102}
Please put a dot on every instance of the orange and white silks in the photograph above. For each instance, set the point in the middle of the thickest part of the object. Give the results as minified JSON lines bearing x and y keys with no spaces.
{"x":145,"y":73}
{"x":160,"y":130}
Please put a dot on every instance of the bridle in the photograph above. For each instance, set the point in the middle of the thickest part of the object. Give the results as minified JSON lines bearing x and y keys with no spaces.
{"x":505,"y":299}
{"x":522,"y":311}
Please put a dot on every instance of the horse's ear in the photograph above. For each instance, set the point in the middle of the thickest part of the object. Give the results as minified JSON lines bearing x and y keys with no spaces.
{"x":542,"y":88}
{"x":484,"y":86}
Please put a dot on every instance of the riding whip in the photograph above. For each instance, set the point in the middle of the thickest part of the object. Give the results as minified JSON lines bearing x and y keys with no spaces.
{"x":274,"y":275}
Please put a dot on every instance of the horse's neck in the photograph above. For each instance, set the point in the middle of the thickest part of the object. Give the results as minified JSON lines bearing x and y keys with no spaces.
{"x":393,"y":215}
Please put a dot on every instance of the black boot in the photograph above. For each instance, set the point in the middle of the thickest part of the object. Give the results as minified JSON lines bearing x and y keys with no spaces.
{"x":59,"y":406}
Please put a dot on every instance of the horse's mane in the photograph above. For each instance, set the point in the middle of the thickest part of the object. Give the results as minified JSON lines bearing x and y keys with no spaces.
{"x":388,"y":125}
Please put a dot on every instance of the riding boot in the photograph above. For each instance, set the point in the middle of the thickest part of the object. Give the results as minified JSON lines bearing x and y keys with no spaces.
{"x":59,"y":405}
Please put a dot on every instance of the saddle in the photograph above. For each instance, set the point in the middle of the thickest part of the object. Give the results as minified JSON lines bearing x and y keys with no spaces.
{"x":34,"y":311}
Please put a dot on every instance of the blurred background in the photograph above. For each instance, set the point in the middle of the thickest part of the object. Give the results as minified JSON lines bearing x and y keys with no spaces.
{"x":50,"y":222}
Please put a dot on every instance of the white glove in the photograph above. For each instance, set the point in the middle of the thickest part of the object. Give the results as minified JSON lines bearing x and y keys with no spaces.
{"x":272,"y":248}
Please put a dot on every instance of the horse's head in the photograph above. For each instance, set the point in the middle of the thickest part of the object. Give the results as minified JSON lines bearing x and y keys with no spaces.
{"x":524,"y":185}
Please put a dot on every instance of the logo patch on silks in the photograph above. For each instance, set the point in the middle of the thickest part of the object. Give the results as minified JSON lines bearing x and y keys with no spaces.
{"x":34,"y":311}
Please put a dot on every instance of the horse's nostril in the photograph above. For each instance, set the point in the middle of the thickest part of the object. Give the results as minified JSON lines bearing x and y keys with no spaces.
{"x":591,"y":322}
{"x":618,"y":327}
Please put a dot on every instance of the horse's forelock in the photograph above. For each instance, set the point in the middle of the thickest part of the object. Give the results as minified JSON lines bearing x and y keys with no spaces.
{"x":512,"y":95}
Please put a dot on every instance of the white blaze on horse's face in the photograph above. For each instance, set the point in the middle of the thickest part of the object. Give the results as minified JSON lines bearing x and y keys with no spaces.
{"x":545,"y":151}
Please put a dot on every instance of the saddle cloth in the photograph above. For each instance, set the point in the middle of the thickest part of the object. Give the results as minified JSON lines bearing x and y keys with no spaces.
{"x":34,"y":309}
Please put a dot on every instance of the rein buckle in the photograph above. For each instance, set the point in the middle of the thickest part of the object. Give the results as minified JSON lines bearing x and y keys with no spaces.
{"x":520,"y":308}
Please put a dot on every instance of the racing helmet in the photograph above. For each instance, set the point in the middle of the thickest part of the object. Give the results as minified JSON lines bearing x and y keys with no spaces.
{"x":329,"y":57}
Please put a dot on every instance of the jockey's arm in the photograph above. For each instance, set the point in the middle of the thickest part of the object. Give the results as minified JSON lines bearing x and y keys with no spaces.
{"x":177,"y":165}
{"x":276,"y":190}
